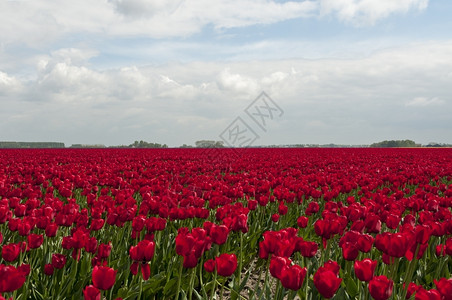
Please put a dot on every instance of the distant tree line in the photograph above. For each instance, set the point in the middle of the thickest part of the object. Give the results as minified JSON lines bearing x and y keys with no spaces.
{"x":143,"y":144}
{"x":209,"y":144}
{"x":395,"y":144}
{"x":87,"y":146}
{"x":438,"y":145}
{"x":25,"y":145}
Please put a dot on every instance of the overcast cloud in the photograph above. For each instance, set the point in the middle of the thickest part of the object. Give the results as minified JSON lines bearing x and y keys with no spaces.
{"x":173,"y":71}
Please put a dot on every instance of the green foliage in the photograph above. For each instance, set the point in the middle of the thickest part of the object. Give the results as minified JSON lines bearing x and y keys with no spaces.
{"x":209,"y":144}
{"x":395,"y":144}
{"x":19,"y":145}
{"x":143,"y":144}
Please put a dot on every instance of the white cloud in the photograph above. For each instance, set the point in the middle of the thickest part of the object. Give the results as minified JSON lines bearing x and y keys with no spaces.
{"x":423,"y":101}
{"x":38,"y":23}
{"x":144,"y":8}
{"x":8,"y":84}
{"x":367,"y":12}
{"x":356,"y":100}
{"x":237,"y":83}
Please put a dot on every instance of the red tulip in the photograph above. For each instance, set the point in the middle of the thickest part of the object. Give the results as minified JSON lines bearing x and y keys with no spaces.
{"x":104,"y":277}
{"x":24,"y":269}
{"x":48,"y":269}
{"x":412,"y":288}
{"x":91,"y":293}
{"x":449,"y":246}
{"x":239,"y":223}
{"x":440,"y":250}
{"x":302,"y":222}
{"x":10,"y":252}
{"x":35,"y":240}
{"x":349,"y":251}
{"x":143,"y":251}
{"x":226,"y":264}
{"x":277,"y":264}
{"x":51,"y":229}
{"x":392,"y":221}
{"x":209,"y":265}
{"x":97,"y":224}
{"x":219,"y":234}
{"x":306,"y":248}
{"x":252,"y":204}
{"x":58,"y":261}
{"x":24,"y":228}
{"x":444,"y":286}
{"x":104,"y":250}
{"x":380,"y":287}
{"x":91,"y":245}
{"x":145,"y":270}
{"x":190,"y":260}
{"x":292,"y":277}
{"x":11,"y":279}
{"x":313,"y":207}
{"x":282,"y":209}
{"x":365,"y":269}
{"x":365,"y":243}
{"x":326,"y":280}
{"x":423,"y":294}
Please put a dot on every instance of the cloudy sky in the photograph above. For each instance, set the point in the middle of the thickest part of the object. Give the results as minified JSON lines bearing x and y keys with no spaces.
{"x":177,"y":71}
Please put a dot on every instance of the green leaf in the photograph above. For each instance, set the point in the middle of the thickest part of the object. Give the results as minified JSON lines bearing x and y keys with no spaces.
{"x":198,"y":296}
{"x":244,"y":281}
{"x":351,"y":287}
{"x":155,"y":283}
{"x":170,"y":287}
{"x":122,"y":292}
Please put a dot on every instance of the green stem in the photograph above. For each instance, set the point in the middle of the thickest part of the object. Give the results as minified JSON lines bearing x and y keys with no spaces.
{"x":141,"y":286}
{"x":409,"y":273}
{"x":111,"y":290}
{"x":222,"y":291}
{"x":278,"y":287}
{"x":326,"y":254}
{"x":179,"y":281}
{"x":223,"y":287}
{"x":306,"y":286}
{"x":192,"y":280}
{"x":239,"y":275}
{"x":366,"y":291}
{"x":292,"y":295}
{"x":204,"y":293}
{"x":266,"y":278}
{"x":214,"y":284}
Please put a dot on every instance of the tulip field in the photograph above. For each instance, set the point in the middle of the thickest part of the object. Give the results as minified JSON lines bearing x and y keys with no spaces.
{"x":226,"y":224}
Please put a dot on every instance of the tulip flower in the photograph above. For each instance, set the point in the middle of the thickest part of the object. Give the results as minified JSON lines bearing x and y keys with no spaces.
{"x":423,"y":294}
{"x":35,"y":240}
{"x":11,"y":279}
{"x":444,"y":286}
{"x":292,"y":277}
{"x":219,"y":234}
{"x":365,"y":269}
{"x":226,"y":264}
{"x":326,"y":279}
{"x":90,"y":292}
{"x":10,"y":252}
{"x":380,"y":287}
{"x":58,"y":261}
{"x":104,"y":277}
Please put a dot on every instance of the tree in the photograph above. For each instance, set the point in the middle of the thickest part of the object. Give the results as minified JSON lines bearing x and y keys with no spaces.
{"x":143,"y":144}
{"x":395,"y":144}
{"x":209,"y":144}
